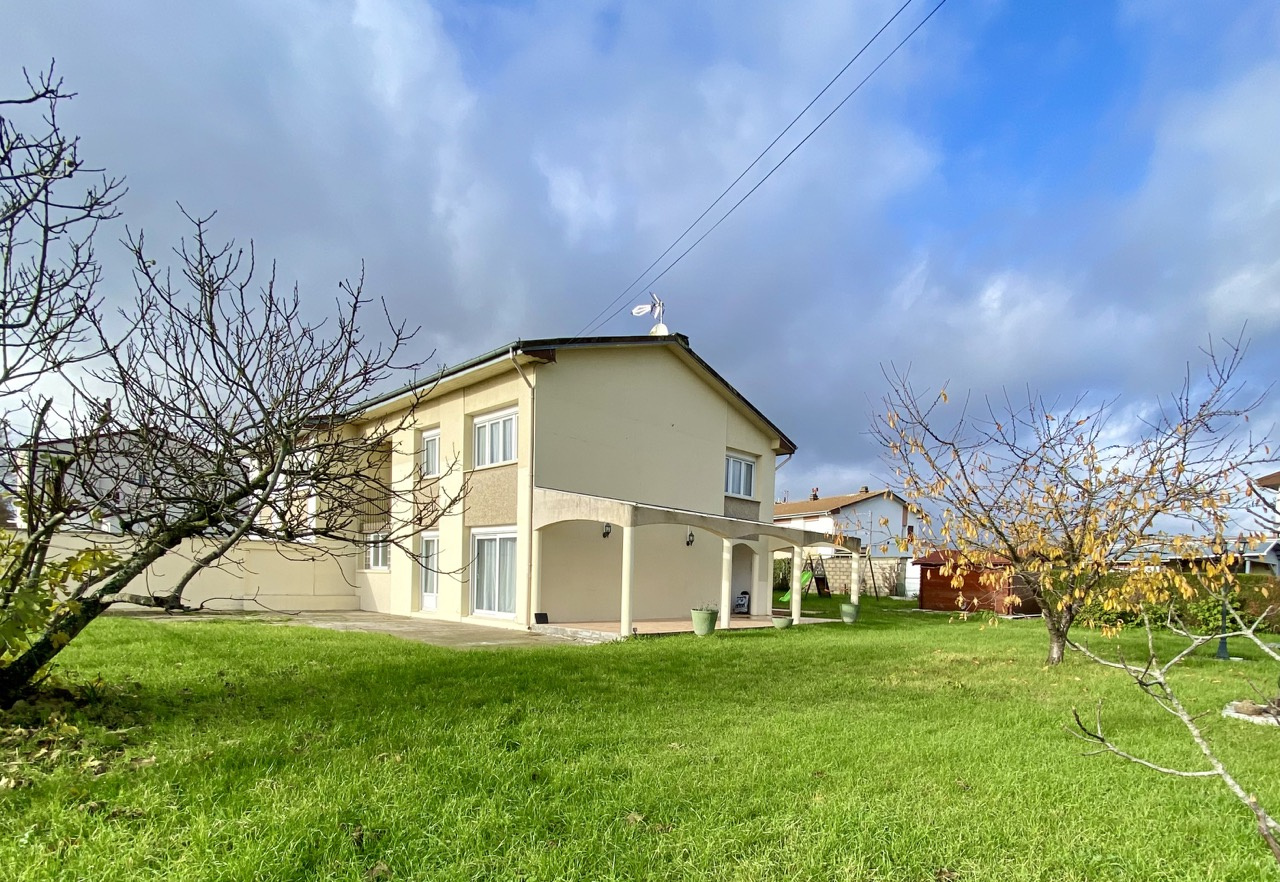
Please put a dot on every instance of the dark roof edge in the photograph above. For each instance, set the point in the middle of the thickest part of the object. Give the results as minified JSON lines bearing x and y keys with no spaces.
{"x":537,"y":347}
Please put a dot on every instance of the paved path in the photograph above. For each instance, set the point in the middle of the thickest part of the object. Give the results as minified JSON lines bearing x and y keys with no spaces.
{"x":451,"y":634}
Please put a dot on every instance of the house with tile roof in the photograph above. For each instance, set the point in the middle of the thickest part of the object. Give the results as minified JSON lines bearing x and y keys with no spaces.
{"x":879,"y":519}
{"x":607,"y":483}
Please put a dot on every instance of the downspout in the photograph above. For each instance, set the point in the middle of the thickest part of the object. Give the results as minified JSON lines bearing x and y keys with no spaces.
{"x":533,"y":459}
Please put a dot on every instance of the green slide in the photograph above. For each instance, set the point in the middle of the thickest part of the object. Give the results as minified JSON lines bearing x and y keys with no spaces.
{"x":805,"y":578}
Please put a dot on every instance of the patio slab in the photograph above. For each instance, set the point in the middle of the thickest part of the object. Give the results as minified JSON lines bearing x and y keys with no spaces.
{"x":457,"y":635}
{"x":605,"y":631}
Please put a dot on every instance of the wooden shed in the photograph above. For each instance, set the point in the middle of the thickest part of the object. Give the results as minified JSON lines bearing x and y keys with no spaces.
{"x":938,"y":591}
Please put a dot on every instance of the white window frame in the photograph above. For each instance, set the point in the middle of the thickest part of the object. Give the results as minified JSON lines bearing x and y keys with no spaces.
{"x":429,"y":453}
{"x":498,"y":535}
{"x":429,"y":571}
{"x":746,"y":475}
{"x":377,"y":551}
{"x":482,"y":451}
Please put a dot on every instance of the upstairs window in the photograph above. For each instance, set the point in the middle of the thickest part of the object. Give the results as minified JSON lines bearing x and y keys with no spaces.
{"x":429,"y":454}
{"x":739,"y":476}
{"x":494,"y":439}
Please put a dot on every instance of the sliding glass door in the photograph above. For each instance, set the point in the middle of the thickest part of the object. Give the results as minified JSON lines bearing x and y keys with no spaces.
{"x":493,"y":573}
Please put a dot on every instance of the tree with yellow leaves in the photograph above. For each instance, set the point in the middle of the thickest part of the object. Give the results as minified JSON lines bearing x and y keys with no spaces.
{"x":1079,"y":512}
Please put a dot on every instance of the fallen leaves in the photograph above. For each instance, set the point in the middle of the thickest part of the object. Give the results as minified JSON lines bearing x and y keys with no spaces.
{"x":30,"y":752}
{"x":380,"y":870}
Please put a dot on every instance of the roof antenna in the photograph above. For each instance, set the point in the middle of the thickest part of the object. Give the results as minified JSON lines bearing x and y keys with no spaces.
{"x":656,"y":308}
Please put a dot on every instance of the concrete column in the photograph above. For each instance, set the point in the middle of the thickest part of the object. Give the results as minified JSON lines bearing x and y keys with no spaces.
{"x":535,"y":573}
{"x":628,"y":571}
{"x":726,"y":585}
{"x":754,"y":606}
{"x":796,"y":564}
{"x":855,"y":590}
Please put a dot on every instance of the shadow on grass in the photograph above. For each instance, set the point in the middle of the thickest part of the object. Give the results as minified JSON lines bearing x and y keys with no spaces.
{"x":235,"y":674}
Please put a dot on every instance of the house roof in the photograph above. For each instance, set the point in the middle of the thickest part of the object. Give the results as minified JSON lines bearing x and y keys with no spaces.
{"x":944,"y":556}
{"x":829,"y":504}
{"x":544,"y":350}
{"x":1271,"y":481}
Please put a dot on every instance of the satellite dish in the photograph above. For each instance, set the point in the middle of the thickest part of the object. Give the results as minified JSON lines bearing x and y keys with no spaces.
{"x":655,"y":308}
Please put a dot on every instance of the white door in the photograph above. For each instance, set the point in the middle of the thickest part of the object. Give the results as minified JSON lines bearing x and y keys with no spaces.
{"x":429,"y":575}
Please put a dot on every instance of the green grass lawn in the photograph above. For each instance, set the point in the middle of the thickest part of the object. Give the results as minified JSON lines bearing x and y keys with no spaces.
{"x":907,"y":747}
{"x":813,"y":606}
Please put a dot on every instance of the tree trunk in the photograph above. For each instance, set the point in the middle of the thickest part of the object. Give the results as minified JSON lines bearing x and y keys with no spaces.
{"x":18,"y":674}
{"x":1057,"y":623}
{"x":1057,"y":646}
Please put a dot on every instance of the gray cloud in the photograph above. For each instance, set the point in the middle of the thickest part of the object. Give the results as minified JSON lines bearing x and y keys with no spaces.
{"x":505,"y":171}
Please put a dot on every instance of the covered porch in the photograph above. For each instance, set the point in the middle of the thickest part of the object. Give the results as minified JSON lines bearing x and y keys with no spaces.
{"x":602,"y":632}
{"x":602,"y":566}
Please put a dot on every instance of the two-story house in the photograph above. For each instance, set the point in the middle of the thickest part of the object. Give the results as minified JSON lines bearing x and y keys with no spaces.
{"x":607,"y":479}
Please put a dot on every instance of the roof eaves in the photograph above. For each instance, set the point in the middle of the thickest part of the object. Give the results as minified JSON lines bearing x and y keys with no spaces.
{"x":544,"y":350}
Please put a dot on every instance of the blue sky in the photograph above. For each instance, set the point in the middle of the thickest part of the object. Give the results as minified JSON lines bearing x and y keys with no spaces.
{"x":1066,"y":196}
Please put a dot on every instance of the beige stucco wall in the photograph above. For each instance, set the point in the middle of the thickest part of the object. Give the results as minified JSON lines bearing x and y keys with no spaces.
{"x":497,"y":496}
{"x":253,"y":575}
{"x":491,"y":496}
{"x":582,"y":572}
{"x":642,"y":425}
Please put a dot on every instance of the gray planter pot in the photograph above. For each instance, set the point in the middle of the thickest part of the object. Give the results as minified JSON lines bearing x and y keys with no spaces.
{"x":848,"y":613}
{"x":704,"y":621}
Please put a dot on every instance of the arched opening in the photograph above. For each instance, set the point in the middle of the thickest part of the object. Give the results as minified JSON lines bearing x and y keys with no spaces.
{"x":581,"y":572}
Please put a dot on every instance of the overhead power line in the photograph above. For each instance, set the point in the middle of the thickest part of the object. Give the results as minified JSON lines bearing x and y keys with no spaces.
{"x":744,"y":172}
{"x":597,"y":322}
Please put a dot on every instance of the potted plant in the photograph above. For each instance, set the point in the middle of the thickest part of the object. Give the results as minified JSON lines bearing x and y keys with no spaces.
{"x":781,"y":621}
{"x":704,"y":618}
{"x":848,"y":612}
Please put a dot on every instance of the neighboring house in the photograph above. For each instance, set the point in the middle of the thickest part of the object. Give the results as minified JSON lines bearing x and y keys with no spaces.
{"x":103,"y":479}
{"x":987,"y":589}
{"x":879,"y":519}
{"x":1271,"y":482}
{"x":1263,"y":557}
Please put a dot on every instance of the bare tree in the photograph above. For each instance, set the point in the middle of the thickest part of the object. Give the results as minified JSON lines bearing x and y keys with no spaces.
{"x":1042,"y":489}
{"x":1152,"y":677}
{"x":218,"y":412}
{"x":48,"y":271}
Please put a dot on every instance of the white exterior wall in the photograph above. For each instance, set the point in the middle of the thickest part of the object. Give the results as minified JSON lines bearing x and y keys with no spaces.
{"x":862,"y":520}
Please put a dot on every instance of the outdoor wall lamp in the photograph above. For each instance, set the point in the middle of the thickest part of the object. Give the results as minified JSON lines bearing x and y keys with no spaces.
{"x":604,"y":533}
{"x":688,"y":540}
